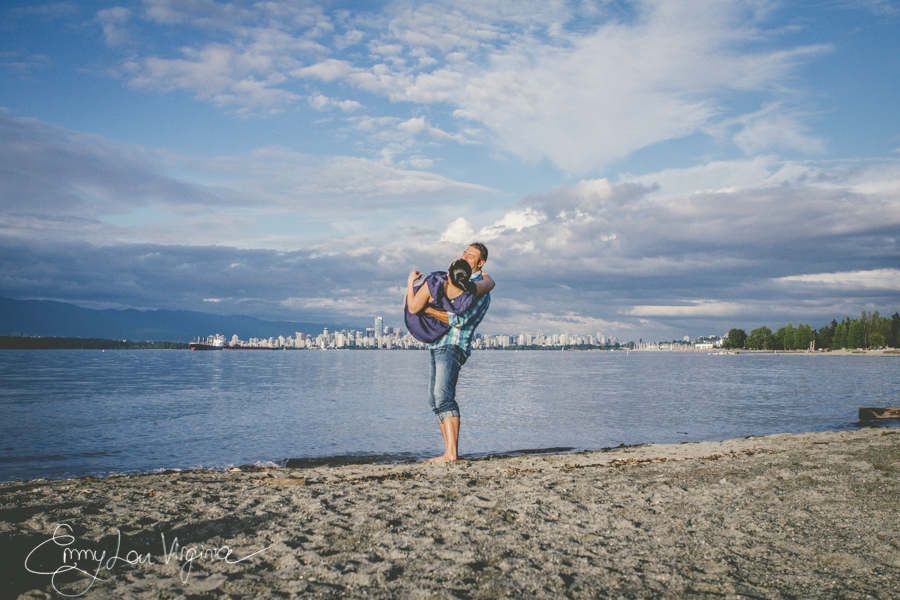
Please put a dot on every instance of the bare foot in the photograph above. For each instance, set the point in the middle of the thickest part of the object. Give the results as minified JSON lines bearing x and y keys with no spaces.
{"x":441,"y":458}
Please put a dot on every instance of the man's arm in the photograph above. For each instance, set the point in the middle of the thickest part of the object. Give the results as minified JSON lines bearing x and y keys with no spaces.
{"x":483,"y":287}
{"x":440,"y":315}
{"x":473,"y":315}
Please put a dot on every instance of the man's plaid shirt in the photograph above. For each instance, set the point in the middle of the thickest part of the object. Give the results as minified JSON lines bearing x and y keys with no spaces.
{"x":462,"y":326}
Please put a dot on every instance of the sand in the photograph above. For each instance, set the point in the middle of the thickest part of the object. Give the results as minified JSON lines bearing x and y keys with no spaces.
{"x":784,"y":516}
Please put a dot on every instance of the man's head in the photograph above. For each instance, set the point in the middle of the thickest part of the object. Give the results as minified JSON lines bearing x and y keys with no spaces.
{"x":476,"y":255}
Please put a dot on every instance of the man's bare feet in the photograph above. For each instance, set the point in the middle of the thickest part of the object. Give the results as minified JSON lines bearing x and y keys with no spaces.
{"x":450,"y":431}
{"x":441,"y":458}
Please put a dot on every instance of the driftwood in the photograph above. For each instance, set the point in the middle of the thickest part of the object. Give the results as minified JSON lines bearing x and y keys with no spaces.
{"x":872,"y":413}
{"x":284,"y":481}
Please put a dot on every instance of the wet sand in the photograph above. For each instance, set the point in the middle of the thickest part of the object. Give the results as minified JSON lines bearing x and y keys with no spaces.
{"x":784,"y":516}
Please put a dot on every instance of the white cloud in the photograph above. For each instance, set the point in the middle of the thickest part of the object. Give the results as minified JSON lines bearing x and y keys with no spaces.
{"x":696,"y":308}
{"x":323,"y":103}
{"x":56,"y":183}
{"x":885,"y":8}
{"x":710,"y":177}
{"x":114,"y":22}
{"x":774,"y":128}
{"x":579,"y":86}
{"x":327,"y":70}
{"x":459,"y":231}
{"x":877,"y":279}
{"x":515,"y":220}
{"x":625,"y":85}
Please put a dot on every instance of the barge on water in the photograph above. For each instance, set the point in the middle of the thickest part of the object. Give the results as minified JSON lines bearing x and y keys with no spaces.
{"x":217,"y":342}
{"x":212,"y":342}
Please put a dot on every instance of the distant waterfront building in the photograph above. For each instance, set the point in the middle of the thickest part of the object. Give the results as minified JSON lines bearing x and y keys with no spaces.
{"x":387,"y":337}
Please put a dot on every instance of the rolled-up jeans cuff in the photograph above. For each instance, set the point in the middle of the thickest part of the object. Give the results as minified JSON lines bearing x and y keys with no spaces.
{"x":445,"y":414}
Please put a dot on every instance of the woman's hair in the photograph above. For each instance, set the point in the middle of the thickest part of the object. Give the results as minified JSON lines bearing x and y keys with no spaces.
{"x":459,"y":274}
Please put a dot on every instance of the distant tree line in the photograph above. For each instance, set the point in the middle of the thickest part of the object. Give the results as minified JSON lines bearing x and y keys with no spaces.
{"x":12,"y":342}
{"x":870,"y":330}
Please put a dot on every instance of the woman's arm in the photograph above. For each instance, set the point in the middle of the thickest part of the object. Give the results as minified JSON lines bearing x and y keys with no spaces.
{"x":408,"y":298}
{"x":416,"y":301}
{"x":484,"y":286}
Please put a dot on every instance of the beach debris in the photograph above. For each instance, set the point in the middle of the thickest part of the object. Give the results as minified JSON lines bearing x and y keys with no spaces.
{"x":874,"y":413}
{"x":283,"y":481}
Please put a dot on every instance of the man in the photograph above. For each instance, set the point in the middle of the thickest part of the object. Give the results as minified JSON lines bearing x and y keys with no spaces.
{"x":450,"y":352}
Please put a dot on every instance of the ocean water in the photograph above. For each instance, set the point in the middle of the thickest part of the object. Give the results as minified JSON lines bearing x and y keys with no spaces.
{"x":81,"y":412}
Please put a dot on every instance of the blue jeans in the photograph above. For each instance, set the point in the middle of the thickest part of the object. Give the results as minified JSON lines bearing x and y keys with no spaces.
{"x":445,"y":364}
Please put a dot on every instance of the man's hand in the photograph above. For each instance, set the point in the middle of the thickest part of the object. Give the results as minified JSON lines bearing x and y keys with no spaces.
{"x":413,"y":275}
{"x":440,"y":315}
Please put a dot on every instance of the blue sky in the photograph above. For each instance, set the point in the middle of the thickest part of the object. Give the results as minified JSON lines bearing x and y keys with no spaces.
{"x":641,"y":169}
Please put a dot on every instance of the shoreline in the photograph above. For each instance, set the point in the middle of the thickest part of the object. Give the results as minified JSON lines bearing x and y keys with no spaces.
{"x":887,"y":352}
{"x":786,"y":515}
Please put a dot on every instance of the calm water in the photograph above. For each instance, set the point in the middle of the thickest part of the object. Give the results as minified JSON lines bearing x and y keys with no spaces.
{"x":67,"y":413}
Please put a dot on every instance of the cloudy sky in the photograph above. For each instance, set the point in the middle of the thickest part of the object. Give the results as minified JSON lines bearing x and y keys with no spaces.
{"x":643,"y":169}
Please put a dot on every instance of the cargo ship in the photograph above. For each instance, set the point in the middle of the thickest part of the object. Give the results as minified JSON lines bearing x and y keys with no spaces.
{"x":217,"y":342}
{"x":212,"y":342}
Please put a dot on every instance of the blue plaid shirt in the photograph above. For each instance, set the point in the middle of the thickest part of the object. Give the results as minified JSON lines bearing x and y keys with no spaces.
{"x":462,"y":326}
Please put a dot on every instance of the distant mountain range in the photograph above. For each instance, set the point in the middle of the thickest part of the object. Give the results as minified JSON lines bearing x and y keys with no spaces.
{"x":58,"y":319}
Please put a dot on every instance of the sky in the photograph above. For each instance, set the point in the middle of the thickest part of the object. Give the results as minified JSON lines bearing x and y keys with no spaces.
{"x":640,"y":169}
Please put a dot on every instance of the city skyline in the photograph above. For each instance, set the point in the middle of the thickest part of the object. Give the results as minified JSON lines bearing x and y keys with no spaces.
{"x":650,"y":168}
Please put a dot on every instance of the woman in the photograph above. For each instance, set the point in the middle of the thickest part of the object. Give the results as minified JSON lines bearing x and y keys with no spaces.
{"x":447,"y":291}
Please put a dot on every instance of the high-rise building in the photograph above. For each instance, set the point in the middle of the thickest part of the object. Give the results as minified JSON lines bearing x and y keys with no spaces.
{"x":379,"y":327}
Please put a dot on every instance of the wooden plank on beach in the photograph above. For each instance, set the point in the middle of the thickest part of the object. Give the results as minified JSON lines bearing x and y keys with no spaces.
{"x":284,"y":481}
{"x":873,"y":413}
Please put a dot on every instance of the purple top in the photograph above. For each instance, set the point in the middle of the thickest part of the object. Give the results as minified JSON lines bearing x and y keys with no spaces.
{"x":426,"y":328}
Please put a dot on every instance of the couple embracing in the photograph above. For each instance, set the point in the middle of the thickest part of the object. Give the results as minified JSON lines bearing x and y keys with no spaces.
{"x":444,"y":311}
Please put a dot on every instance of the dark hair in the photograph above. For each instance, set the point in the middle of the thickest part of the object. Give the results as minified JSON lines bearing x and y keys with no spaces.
{"x":481,"y":248}
{"x":459,"y":274}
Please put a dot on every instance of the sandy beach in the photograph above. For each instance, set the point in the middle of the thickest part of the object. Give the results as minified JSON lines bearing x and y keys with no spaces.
{"x":783,"y":516}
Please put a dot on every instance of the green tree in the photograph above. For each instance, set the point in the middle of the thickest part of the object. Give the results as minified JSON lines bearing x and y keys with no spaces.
{"x":761,"y":338}
{"x":736,"y":338}
{"x":882,"y":332}
{"x":779,"y":338}
{"x":803,"y":336}
{"x":826,"y":335}
{"x":784,"y":337}
{"x":893,"y":337}
{"x":855,"y":334}
{"x":840,"y":334}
